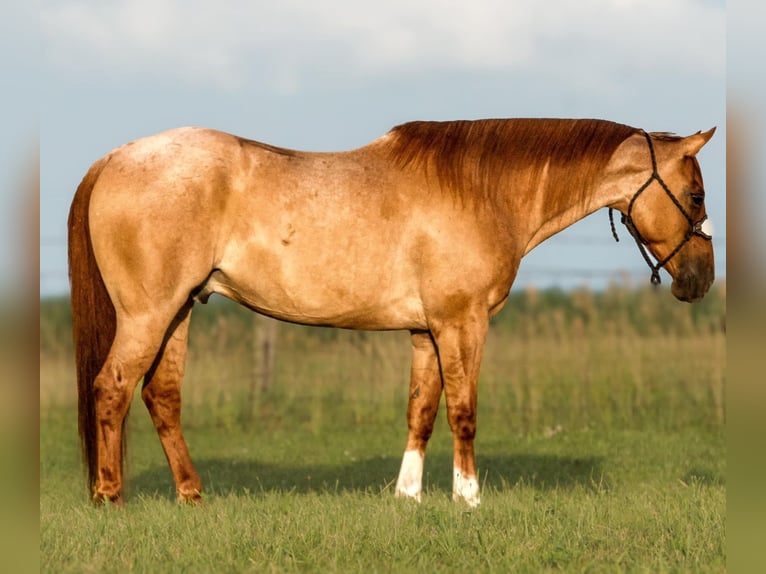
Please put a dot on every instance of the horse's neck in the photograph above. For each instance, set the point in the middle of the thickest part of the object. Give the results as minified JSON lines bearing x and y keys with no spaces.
{"x":550,"y":217}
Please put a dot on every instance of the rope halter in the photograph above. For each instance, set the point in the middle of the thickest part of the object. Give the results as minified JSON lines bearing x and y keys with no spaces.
{"x":695,"y":228}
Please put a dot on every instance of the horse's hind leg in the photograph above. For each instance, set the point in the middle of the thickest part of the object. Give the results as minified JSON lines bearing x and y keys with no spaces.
{"x":425,"y":391}
{"x":162,"y":395}
{"x":137,"y":341}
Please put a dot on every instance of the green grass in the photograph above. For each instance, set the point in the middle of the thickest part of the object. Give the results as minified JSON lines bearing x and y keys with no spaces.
{"x":600,"y":448}
{"x":587,"y":500}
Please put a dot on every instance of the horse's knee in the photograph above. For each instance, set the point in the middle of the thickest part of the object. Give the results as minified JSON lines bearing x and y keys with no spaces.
{"x":421,"y":421}
{"x":463,"y":424}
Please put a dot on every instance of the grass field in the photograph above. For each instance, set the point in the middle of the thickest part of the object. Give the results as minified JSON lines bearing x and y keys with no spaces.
{"x":600,"y":448}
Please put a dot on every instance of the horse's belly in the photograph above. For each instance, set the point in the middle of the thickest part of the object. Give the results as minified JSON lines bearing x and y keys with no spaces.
{"x":330,"y":292}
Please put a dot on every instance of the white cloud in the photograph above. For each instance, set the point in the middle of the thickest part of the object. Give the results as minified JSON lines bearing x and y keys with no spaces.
{"x":280,"y":45}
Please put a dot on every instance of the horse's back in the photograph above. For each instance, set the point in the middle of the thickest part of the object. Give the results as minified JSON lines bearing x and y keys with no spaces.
{"x":307,"y":237}
{"x":343,"y":239}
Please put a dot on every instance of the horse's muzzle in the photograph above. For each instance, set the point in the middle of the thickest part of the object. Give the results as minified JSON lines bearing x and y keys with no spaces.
{"x":692,"y":282}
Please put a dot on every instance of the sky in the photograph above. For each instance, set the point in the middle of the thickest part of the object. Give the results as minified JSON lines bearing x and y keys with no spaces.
{"x":337,"y":74}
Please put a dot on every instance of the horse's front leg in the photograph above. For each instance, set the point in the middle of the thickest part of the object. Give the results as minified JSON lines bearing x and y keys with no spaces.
{"x":425,"y":391}
{"x":460,"y":345}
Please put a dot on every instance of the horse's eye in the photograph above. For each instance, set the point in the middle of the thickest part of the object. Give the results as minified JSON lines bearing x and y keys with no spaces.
{"x":698,"y":199}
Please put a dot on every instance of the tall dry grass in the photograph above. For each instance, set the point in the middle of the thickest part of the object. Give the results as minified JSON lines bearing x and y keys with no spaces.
{"x":553,"y":360}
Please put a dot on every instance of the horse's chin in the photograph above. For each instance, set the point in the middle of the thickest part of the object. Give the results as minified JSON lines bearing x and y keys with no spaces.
{"x":691,"y":288}
{"x":686,"y":297}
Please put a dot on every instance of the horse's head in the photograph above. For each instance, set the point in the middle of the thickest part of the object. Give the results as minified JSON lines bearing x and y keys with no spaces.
{"x":665,"y":212}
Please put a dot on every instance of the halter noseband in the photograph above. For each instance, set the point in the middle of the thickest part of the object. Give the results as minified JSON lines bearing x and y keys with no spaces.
{"x":695,"y":228}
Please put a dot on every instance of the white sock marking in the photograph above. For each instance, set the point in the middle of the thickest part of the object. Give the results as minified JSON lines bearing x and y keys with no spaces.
{"x":466,"y":488}
{"x":409,"y":483}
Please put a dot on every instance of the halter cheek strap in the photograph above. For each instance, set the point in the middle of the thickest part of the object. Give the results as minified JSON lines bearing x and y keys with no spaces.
{"x":695,"y":228}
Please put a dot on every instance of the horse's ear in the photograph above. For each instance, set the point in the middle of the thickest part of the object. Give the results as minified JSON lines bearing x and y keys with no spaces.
{"x":694,"y":143}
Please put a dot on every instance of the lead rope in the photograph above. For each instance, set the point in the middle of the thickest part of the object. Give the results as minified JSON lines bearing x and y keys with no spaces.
{"x":655,"y":267}
{"x":611,"y":223}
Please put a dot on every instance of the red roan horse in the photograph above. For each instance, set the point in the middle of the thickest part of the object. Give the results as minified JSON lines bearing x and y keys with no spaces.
{"x":423,"y":229}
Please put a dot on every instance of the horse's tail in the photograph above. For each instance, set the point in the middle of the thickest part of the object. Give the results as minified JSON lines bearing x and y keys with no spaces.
{"x":93,"y":317}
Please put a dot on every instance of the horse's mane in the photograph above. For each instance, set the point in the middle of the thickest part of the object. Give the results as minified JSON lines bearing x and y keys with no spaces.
{"x":480,"y":160}
{"x":665,"y":136}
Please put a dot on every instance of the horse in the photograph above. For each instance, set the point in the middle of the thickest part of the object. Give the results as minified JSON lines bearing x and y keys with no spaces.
{"x":421,"y":230}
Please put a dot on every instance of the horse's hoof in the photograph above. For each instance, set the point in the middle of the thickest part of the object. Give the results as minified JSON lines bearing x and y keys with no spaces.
{"x":100,"y":499}
{"x":402,"y":493}
{"x":190,"y":498}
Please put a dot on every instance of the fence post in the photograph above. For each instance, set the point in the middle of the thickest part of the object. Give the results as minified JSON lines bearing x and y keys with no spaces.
{"x":264,"y":349}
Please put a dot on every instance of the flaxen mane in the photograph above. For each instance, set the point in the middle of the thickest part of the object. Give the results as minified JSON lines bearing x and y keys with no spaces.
{"x":477,"y":160}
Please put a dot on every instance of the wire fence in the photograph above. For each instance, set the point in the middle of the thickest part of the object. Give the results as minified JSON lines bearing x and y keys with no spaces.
{"x":579,"y":270}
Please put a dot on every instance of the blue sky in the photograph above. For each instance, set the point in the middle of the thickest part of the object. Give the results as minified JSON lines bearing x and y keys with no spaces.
{"x":336,"y":74}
